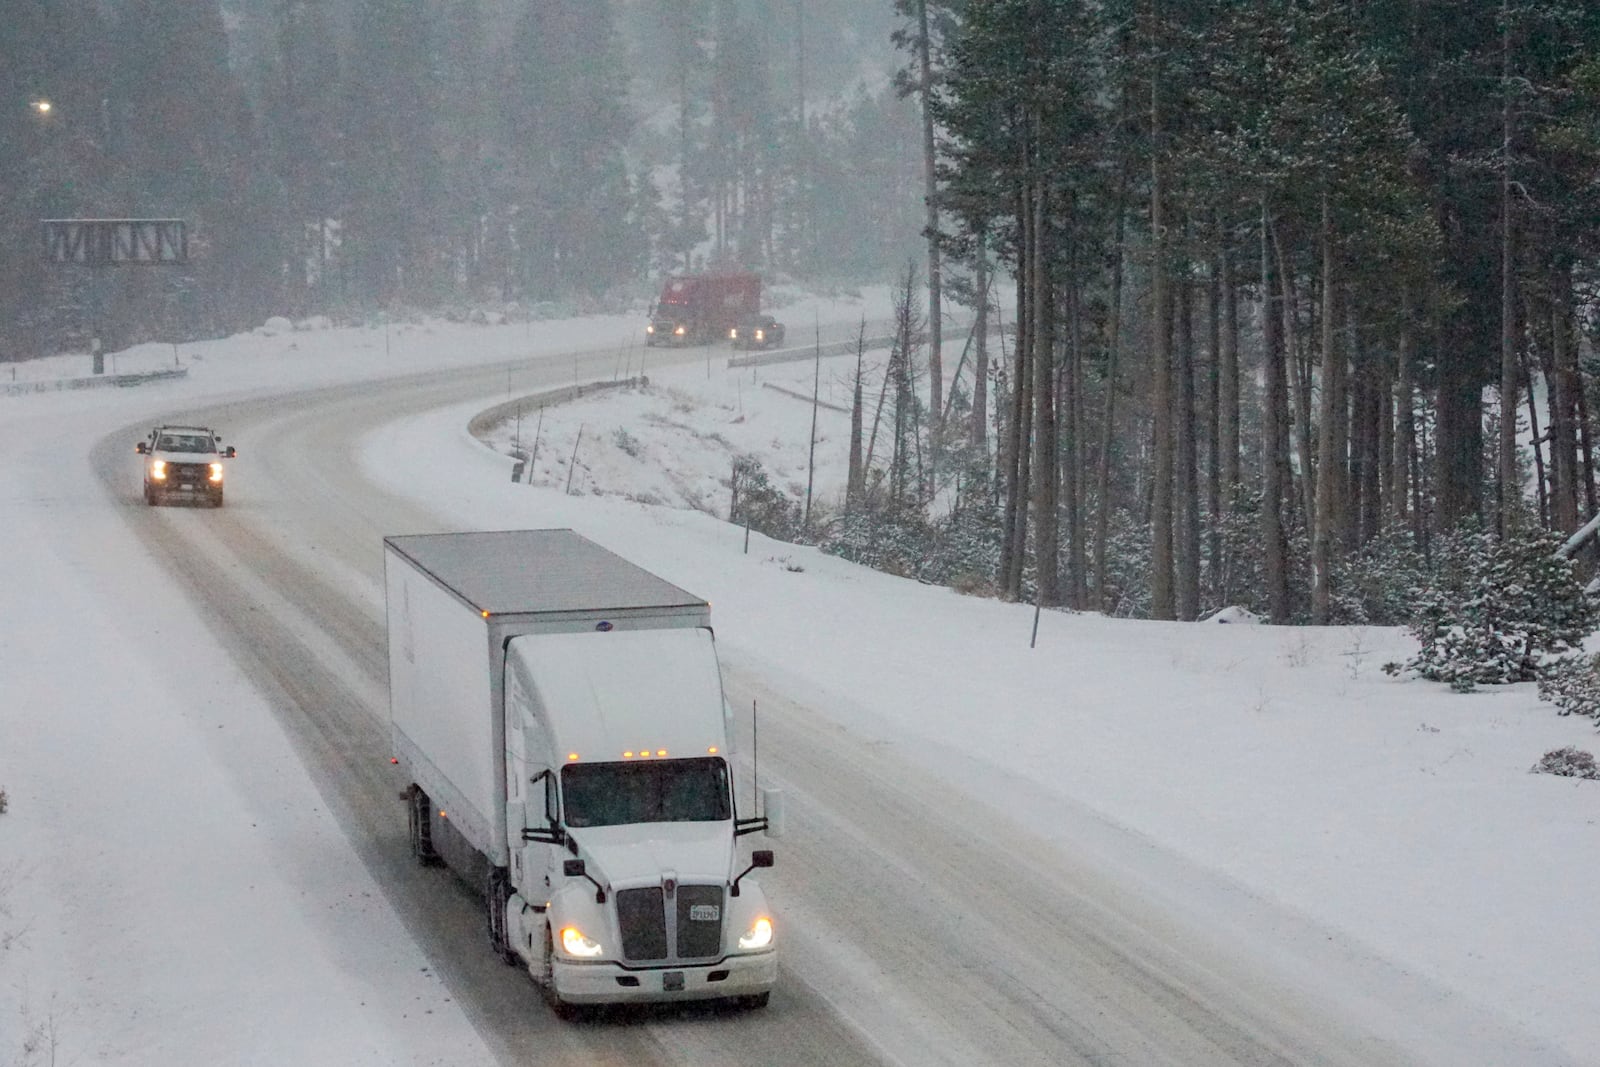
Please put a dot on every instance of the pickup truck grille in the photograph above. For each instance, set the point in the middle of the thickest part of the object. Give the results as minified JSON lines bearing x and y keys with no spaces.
{"x":692,"y":930}
{"x":188,"y":473}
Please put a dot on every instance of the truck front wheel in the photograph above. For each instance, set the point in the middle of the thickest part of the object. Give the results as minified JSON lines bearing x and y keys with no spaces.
{"x":419,"y":809}
{"x":753,"y":1001}
{"x":563,"y":1009}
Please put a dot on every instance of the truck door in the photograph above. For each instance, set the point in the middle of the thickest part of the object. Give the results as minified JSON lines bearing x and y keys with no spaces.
{"x":529,"y":793}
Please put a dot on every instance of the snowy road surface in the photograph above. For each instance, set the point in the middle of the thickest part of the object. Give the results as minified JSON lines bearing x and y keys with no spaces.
{"x":921,"y":926}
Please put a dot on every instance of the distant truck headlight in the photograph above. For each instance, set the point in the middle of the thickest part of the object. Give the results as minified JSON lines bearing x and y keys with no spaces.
{"x":679,"y":331}
{"x":758,"y":936}
{"x":216,"y":472}
{"x":733,"y":334}
{"x":158,"y":470}
{"x":761,"y":335}
{"x":575,"y":943}
{"x":650,"y":329}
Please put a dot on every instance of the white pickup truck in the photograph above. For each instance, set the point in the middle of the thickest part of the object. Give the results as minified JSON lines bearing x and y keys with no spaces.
{"x":184,"y":461}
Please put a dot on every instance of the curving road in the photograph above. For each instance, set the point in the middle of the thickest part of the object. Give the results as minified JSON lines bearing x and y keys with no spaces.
{"x":921,"y":926}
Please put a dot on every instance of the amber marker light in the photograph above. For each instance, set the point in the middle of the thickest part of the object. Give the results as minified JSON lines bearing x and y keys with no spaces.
{"x":661,"y":752}
{"x":572,"y":756}
{"x":627,"y":755}
{"x":712,"y":750}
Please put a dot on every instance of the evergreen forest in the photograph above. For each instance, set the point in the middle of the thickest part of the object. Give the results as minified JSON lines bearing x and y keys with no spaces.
{"x":1279,"y":303}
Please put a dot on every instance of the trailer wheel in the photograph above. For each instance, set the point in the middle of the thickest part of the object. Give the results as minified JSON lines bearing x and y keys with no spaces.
{"x":420,"y":812}
{"x":564,"y":1009}
{"x":497,"y":893}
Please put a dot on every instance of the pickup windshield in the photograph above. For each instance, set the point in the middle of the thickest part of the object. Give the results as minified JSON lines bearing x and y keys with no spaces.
{"x":185,"y":442}
{"x":615,"y":794}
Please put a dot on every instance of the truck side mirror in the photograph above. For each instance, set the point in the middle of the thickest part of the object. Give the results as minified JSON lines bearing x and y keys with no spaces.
{"x":576,"y":869}
{"x":761,"y":857}
{"x":141,"y":449}
{"x":230,"y":452}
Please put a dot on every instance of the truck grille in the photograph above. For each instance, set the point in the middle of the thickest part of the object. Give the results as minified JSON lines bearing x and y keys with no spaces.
{"x":188,"y":473}
{"x":694,"y":932}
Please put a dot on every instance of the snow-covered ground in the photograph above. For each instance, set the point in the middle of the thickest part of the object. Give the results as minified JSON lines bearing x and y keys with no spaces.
{"x":1398,"y":818}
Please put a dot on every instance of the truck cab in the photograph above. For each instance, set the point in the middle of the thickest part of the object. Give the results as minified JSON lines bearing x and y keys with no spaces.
{"x":185,"y":462}
{"x":625,"y":882}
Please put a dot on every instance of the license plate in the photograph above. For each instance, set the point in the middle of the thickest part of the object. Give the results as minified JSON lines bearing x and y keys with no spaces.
{"x":672,"y":981}
{"x":704,"y":913}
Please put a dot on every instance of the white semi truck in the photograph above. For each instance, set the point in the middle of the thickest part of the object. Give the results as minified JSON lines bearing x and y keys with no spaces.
{"x":559,"y":715}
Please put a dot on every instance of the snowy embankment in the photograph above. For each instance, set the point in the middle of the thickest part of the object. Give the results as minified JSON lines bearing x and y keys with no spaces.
{"x":1391,"y":812}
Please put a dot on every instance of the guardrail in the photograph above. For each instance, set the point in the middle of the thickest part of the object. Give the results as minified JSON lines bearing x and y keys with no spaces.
{"x":51,"y":385}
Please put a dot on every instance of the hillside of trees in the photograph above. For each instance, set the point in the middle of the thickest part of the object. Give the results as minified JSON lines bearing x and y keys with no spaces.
{"x":1297,"y":290}
{"x":1297,"y":282}
{"x":344,"y":157}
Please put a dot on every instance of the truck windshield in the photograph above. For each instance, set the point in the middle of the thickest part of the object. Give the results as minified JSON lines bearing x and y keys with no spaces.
{"x":615,"y":794}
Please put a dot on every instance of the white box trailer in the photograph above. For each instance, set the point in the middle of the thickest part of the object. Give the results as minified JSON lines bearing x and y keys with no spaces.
{"x":559,"y":714}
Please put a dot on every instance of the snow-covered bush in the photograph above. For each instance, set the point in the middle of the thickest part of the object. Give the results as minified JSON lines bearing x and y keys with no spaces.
{"x":1573,"y":685}
{"x":1377,"y":586}
{"x":759,"y":504}
{"x":895,"y":540}
{"x":1568,"y":762}
{"x":1495,"y":610}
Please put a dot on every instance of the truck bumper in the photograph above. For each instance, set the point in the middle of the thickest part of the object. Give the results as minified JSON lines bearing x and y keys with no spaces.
{"x":607,"y":983}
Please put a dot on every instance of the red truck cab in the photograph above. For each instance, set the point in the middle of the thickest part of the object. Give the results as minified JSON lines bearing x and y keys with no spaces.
{"x":701,"y":308}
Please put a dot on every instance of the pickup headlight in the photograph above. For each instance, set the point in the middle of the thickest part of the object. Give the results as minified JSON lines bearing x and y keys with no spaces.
{"x":216,"y":472}
{"x":158,"y":469}
{"x":758,"y":936}
{"x":574,"y":943}
{"x":679,"y":331}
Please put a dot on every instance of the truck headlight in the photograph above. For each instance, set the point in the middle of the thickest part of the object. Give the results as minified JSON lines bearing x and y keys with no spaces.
{"x":679,"y":331}
{"x":574,"y":943}
{"x":158,"y":470}
{"x":761,"y":335}
{"x":758,"y":936}
{"x":216,"y":472}
{"x":650,"y":329}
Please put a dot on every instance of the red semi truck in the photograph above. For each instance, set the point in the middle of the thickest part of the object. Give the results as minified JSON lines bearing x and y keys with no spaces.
{"x":700,"y":308}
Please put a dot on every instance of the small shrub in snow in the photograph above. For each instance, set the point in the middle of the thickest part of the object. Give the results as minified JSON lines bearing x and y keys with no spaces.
{"x":1573,"y":685}
{"x":1569,"y":763}
{"x":759,"y":504}
{"x":627,"y":443}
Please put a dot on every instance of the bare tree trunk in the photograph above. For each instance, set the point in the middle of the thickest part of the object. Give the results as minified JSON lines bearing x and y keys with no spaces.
{"x":1538,"y":447}
{"x":1018,"y":431}
{"x":1565,"y":388}
{"x":1072,"y":440}
{"x":1045,"y":489}
{"x":1228,"y":428}
{"x":1274,"y":438}
{"x":1506,"y":466}
{"x":855,"y":486}
{"x":1161,"y":553}
{"x":931,"y":198}
{"x":1405,"y":433}
{"x":979,"y":428}
{"x":1325,"y":526}
{"x":1213,"y":406}
{"x":1300,"y":386}
{"x":1187,"y":477}
{"x":1102,"y":491}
